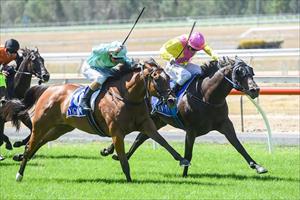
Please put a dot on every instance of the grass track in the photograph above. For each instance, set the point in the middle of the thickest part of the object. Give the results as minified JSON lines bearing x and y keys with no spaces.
{"x":75,"y":171}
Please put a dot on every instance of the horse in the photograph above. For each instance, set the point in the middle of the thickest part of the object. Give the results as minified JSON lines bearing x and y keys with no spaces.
{"x":29,"y":64}
{"x":203,"y":108}
{"x":120,"y":109}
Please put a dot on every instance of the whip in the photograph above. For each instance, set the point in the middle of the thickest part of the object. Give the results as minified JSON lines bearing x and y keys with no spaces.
{"x":187,"y":40}
{"x":133,"y":25}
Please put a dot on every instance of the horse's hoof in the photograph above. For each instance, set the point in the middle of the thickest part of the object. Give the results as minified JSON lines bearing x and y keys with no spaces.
{"x":18,"y":144}
{"x":18,"y":157}
{"x":184,"y":163}
{"x":261,"y":170}
{"x":19,"y":177}
{"x":104,"y":152}
{"x":115,"y":157}
{"x":1,"y":158}
{"x":8,"y":146}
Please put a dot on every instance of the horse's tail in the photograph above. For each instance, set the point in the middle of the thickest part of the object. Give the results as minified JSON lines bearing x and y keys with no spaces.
{"x":15,"y":110}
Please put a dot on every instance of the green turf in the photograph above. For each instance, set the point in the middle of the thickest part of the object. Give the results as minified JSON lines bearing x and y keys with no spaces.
{"x":76,"y":171}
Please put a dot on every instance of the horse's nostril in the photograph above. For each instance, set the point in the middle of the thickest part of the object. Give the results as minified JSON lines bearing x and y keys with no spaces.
{"x":46,"y":77}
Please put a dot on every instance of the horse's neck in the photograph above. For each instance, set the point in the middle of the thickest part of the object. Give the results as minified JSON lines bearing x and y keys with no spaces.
{"x":216,"y":88}
{"x":132,"y":87}
{"x":21,"y":81}
{"x":221,"y":92}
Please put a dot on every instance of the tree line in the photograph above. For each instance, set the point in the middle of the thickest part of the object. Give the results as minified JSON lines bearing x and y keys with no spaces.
{"x":28,"y":12}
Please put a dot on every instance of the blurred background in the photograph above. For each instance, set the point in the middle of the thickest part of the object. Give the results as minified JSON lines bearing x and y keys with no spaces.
{"x":265,"y":33}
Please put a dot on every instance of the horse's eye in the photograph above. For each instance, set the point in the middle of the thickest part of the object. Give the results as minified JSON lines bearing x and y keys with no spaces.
{"x":242,"y":72}
{"x":32,"y":57}
{"x":155,"y":75}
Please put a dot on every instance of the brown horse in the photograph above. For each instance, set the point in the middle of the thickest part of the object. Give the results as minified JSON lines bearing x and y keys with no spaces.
{"x":203,"y":107}
{"x":29,"y":64}
{"x":120,"y":110}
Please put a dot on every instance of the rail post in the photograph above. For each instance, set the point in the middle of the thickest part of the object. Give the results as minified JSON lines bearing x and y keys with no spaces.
{"x":242,"y":113}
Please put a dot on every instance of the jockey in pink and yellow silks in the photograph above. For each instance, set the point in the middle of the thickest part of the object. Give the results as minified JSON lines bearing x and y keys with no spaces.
{"x":181,"y":69}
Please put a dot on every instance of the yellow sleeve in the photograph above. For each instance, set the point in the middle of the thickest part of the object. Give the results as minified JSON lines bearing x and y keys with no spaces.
{"x":171,"y":49}
{"x":208,"y":50}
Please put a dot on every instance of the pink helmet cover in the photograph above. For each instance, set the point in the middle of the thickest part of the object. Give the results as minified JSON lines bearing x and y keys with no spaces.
{"x":196,"y":41}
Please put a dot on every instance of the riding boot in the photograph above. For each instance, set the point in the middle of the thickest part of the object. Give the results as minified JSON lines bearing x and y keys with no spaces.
{"x":85,"y":101}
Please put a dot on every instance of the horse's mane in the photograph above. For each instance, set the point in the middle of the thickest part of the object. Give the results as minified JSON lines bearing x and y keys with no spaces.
{"x":209,"y":67}
{"x":135,"y":67}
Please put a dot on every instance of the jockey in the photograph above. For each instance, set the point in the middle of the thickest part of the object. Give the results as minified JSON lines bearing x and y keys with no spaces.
{"x":104,"y":61}
{"x":181,"y":69}
{"x":9,"y":53}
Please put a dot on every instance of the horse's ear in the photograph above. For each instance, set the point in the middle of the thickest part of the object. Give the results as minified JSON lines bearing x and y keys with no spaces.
{"x":36,"y":49}
{"x":152,"y":62}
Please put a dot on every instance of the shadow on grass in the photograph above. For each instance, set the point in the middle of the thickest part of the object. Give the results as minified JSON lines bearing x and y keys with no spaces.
{"x":135,"y":181}
{"x":42,"y":156}
{"x":18,"y":164}
{"x":236,"y":177}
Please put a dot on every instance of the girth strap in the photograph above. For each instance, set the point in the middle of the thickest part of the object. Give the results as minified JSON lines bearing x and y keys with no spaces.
{"x":94,"y":124}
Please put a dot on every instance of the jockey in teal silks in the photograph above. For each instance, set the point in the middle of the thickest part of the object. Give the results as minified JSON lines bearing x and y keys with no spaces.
{"x":103,"y":62}
{"x":179,"y":67}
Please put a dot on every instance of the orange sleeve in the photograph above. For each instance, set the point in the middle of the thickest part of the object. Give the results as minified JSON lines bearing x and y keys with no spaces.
{"x":4,"y":58}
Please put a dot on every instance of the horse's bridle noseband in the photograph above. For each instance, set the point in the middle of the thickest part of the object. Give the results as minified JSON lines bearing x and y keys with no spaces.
{"x":30,"y":58}
{"x":233,"y":81}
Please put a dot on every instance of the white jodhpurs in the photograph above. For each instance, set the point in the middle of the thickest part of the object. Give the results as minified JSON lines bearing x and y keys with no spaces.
{"x":92,"y":74}
{"x":180,"y":74}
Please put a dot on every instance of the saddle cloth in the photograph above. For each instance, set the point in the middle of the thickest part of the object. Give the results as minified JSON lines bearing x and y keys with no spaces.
{"x":74,"y":109}
{"x":163,"y":109}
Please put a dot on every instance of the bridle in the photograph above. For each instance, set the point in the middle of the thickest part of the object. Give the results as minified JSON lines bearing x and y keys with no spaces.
{"x":30,"y":62}
{"x":248,"y":72}
{"x":147,"y":81}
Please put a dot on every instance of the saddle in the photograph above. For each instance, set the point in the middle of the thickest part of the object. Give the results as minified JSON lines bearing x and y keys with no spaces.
{"x":74,"y":109}
{"x":159,"y":107}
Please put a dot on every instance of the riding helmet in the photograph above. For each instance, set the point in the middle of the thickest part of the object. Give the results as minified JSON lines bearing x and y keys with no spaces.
{"x":196,"y":41}
{"x":12,"y":45}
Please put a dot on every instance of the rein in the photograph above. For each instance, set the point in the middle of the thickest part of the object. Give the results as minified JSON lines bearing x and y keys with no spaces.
{"x":26,"y":73}
{"x":199,"y":99}
{"x":234,"y":85}
{"x":147,"y":96}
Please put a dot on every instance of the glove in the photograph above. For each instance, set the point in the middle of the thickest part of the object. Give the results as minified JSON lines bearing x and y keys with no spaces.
{"x":172,"y":61}
{"x":5,"y":73}
{"x":215,"y":57}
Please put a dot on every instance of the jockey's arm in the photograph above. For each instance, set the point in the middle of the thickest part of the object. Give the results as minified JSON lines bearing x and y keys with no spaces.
{"x":208,"y":50}
{"x":171,"y":49}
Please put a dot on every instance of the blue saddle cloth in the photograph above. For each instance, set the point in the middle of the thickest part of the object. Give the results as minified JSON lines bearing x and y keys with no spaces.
{"x":74,"y":109}
{"x":163,"y":109}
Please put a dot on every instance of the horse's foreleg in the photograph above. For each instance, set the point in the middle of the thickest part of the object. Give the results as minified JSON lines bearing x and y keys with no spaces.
{"x":120,"y":148}
{"x":188,"y":151}
{"x":150,"y":130}
{"x":139,"y":140}
{"x":25,"y":120}
{"x":228,"y":130}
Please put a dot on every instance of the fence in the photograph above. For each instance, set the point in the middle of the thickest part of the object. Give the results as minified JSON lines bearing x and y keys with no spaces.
{"x":243,"y":53}
{"x":265,"y":91}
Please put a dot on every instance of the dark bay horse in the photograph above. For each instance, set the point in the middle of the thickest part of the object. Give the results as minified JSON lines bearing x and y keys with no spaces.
{"x":203,"y":107}
{"x":28,"y":65}
{"x":120,"y":110}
